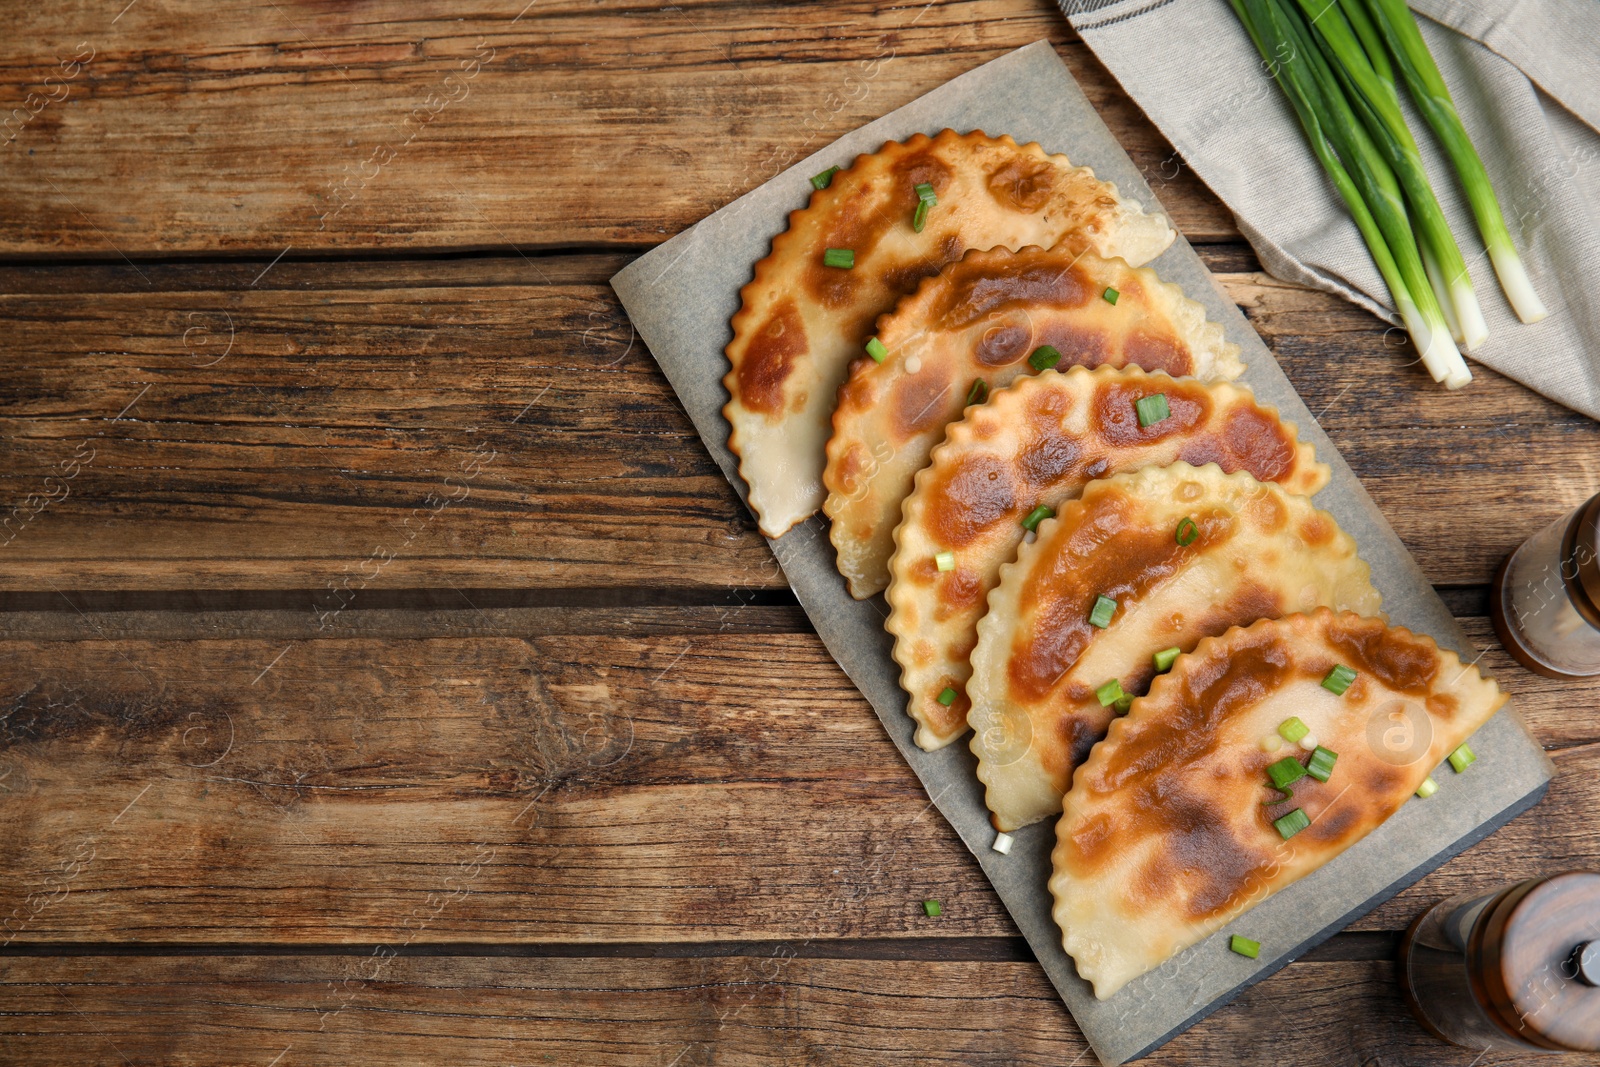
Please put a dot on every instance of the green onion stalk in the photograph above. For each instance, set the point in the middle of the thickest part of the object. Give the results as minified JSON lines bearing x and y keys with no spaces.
{"x":1367,"y":32}
{"x":1399,"y":28}
{"x":1389,"y":187}
{"x":1383,"y":194}
{"x":1377,"y":101}
{"x":1441,"y":291}
{"x":1372,"y":194}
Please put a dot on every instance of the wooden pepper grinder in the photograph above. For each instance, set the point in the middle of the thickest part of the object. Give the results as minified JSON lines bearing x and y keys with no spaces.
{"x":1545,"y":601}
{"x":1515,"y":968}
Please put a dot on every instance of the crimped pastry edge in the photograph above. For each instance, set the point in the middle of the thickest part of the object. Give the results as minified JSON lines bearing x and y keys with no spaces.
{"x":959,"y":433}
{"x":1131,"y":209}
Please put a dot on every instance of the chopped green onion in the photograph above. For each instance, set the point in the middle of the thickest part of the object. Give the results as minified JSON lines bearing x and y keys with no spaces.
{"x":1036,"y":516}
{"x":1152,"y":409}
{"x":876,"y":350}
{"x":947,"y":696}
{"x":1338,"y":680}
{"x":1002,"y":844}
{"x":1462,"y":758}
{"x":1288,"y":794}
{"x":932,"y":908}
{"x":1121,"y":707}
{"x":1186,"y":533}
{"x":1292,"y":729}
{"x":1044,"y":357}
{"x":839,"y":257}
{"x":1110,"y":296}
{"x":945,"y":561}
{"x":1165,"y":658}
{"x":1109,"y":693}
{"x":1292,"y":823}
{"x":979,"y":391}
{"x":821,"y":181}
{"x":1427,"y":788}
{"x":1285,"y":773}
{"x":925,"y":200}
{"x":1245,"y":947}
{"x":1320,"y":766}
{"x":1104,"y":608}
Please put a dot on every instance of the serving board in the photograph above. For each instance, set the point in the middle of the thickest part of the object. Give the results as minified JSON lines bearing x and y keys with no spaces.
{"x":680,"y":297}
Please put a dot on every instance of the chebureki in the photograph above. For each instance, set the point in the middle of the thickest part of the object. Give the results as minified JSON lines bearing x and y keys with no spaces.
{"x":803,"y":321}
{"x":971,"y":330}
{"x":1165,"y":838}
{"x":1185,"y":553}
{"x":1038,"y":443}
{"x":1044,"y":431}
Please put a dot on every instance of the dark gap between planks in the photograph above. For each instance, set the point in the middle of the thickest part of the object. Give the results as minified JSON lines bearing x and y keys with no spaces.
{"x":25,"y":275}
{"x":447,"y":598}
{"x":293,"y":615}
{"x":1462,"y":600}
{"x":1343,"y":947}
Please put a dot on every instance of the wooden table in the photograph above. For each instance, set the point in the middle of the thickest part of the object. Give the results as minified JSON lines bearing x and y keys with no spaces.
{"x":388,"y":673}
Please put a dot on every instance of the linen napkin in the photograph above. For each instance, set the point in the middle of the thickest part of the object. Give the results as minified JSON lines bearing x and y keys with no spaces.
{"x":1525,"y":75}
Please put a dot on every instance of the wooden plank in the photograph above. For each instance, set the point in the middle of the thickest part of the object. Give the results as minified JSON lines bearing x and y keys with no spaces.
{"x":259,"y":779}
{"x":368,"y":386}
{"x":561,"y":788}
{"x":755,"y":1010}
{"x":205,"y":128}
{"x":400,"y":428}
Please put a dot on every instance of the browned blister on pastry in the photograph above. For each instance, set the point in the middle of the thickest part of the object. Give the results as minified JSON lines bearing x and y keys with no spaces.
{"x":1165,"y":837}
{"x":802,"y":322}
{"x":1182,"y":553}
{"x":970,"y":331}
{"x":1038,"y":443}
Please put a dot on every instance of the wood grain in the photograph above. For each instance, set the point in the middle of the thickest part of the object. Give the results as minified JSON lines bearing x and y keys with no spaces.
{"x":340,"y":427}
{"x":242,"y":128}
{"x":757,"y":1010}
{"x":522,"y":779}
{"x":560,"y":788}
{"x":394,"y":602}
{"x":489,"y":425}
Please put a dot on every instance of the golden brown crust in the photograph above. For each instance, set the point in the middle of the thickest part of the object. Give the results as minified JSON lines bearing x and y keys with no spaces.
{"x":979,"y":320}
{"x":1252,"y":551}
{"x":1040,"y":441}
{"x":1165,"y":837}
{"x":992,"y":192}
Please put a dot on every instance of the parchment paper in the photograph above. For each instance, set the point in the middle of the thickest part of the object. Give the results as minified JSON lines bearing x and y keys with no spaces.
{"x":681,"y":296}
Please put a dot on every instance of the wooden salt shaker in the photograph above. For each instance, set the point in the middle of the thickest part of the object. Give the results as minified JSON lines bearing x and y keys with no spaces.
{"x":1515,"y":968}
{"x":1545,"y":601}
